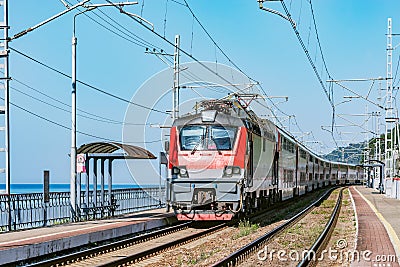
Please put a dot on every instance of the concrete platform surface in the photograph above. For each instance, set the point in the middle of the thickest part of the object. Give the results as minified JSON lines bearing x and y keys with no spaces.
{"x":388,"y":207}
{"x":24,"y":244}
{"x":375,"y":234}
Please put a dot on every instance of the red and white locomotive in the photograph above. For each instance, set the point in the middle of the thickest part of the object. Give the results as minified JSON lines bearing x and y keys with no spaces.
{"x":225,"y":160}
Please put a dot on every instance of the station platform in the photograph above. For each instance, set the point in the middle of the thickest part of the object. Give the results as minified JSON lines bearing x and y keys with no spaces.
{"x":25,"y":244}
{"x":378,"y":228}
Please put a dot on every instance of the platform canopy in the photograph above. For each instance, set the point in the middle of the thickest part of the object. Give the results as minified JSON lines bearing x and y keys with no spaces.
{"x":105,"y":149}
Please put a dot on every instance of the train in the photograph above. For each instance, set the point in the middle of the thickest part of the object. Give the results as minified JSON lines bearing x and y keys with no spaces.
{"x":224,"y":161}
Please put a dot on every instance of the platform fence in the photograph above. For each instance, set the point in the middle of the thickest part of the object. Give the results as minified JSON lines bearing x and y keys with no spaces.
{"x":25,"y":211}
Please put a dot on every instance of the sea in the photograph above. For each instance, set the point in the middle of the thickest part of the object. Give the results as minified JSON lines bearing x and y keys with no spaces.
{"x":38,"y":188}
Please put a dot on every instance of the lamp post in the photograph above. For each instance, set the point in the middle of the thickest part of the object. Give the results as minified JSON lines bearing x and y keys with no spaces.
{"x":73,"y":176}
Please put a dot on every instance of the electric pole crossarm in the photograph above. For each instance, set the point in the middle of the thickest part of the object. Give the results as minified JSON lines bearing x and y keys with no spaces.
{"x":358,"y":80}
{"x":360,"y":96}
{"x":20,"y":34}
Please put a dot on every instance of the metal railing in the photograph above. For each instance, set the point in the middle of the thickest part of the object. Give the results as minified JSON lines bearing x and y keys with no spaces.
{"x":24,"y":211}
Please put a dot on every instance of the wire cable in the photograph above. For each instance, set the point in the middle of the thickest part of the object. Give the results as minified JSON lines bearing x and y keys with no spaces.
{"x":86,"y":113}
{"x":215,"y":43}
{"x":307,"y":54}
{"x":80,"y":132}
{"x":86,"y":84}
{"x":100,"y":119}
{"x":172,"y":44}
{"x":318,"y":41}
{"x":126,"y":34}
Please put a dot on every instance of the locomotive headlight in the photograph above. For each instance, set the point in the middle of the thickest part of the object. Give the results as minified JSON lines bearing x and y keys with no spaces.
{"x":181,"y":171}
{"x":236,"y":170}
{"x":175,"y":170}
{"x":230,"y":170}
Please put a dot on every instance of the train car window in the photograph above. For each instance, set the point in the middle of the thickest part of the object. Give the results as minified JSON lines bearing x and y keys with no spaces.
{"x":256,"y":129}
{"x":302,"y":176}
{"x":287,"y":145}
{"x":221,"y":137}
{"x":207,"y":137}
{"x":192,"y":136}
{"x":290,"y":175}
{"x":269,"y":136}
{"x":291,"y":149}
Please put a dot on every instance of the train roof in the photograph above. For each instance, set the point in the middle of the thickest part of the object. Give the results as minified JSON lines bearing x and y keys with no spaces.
{"x":302,"y":146}
{"x":231,"y":112}
{"x":209,"y":116}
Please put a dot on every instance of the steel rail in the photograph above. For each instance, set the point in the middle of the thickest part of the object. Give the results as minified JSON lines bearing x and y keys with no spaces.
{"x":324,"y":237}
{"x":240,"y":255}
{"x":123,"y":261}
{"x":92,"y":252}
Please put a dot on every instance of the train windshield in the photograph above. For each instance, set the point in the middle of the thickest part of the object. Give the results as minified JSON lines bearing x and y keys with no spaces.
{"x":207,"y":137}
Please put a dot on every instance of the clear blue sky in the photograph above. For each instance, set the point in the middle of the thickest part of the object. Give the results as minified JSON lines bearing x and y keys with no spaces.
{"x":263,"y":45}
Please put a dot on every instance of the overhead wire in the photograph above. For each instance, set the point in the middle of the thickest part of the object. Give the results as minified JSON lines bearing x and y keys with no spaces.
{"x":329,"y":94}
{"x":68,"y":128}
{"x":56,"y":123}
{"x":172,"y":44}
{"x":125,"y":34}
{"x":318,"y":40}
{"x":191,"y":56}
{"x":307,"y":54}
{"x":87,"y":84}
{"x":179,"y":3}
{"x":142,"y":8}
{"x":99,"y":118}
{"x":143,"y":46}
{"x":215,"y":43}
{"x":85,"y":114}
{"x":165,"y":16}
{"x":152,"y":45}
{"x":221,"y":50}
{"x":196,"y":79}
{"x":187,"y":55}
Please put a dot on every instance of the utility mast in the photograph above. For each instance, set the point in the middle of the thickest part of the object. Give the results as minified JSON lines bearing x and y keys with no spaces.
{"x":389,"y":119}
{"x":366,"y":148}
{"x":4,"y":102}
{"x":175,"y":89}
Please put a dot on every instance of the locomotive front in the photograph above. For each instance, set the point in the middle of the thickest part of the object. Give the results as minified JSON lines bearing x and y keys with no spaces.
{"x":207,"y":159}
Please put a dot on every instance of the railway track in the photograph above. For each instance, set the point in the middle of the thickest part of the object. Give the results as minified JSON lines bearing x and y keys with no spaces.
{"x":133,"y":249}
{"x":250,"y":249}
{"x":147,"y":246}
{"x":324,"y":237}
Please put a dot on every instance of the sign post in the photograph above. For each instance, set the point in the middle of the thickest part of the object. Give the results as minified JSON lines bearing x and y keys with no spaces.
{"x":46,"y":194}
{"x":80,"y":163}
